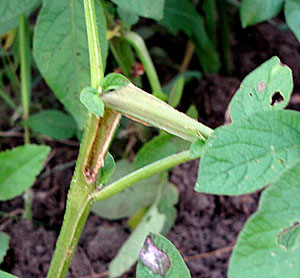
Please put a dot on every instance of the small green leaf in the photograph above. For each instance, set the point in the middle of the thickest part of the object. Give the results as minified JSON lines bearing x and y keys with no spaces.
{"x":166,"y":207}
{"x":129,"y":252}
{"x":192,"y":112}
{"x":255,"y":11}
{"x":113,"y":81}
{"x":6,"y":275}
{"x":197,"y":148}
{"x":181,"y":15}
{"x":107,"y":170}
{"x":248,"y":154}
{"x":257,"y":251}
{"x":4,"y":245}
{"x":160,"y":258}
{"x":150,"y":9}
{"x":127,"y":18}
{"x":52,"y":123}
{"x":292,"y":16}
{"x":176,"y":92}
{"x":10,"y":11}
{"x":257,"y":90}
{"x":19,"y":167}
{"x":289,"y":238}
{"x":60,"y":49}
{"x":90,"y":98}
{"x":129,"y":201}
{"x":161,"y":146}
{"x":188,"y":77}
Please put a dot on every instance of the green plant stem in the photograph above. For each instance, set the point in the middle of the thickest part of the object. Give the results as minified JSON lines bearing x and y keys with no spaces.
{"x":78,"y":204}
{"x":140,"y":174}
{"x":134,"y":102}
{"x":25,"y":72}
{"x":24,"y":48}
{"x":225,"y":36}
{"x":138,"y":44}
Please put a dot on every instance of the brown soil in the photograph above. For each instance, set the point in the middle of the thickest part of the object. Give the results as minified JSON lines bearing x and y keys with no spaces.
{"x":204,"y":222}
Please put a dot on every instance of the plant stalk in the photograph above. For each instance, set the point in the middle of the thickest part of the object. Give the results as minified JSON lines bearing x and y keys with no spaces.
{"x":140,"y":174}
{"x":138,"y":44}
{"x":78,"y":204}
{"x":25,"y":71}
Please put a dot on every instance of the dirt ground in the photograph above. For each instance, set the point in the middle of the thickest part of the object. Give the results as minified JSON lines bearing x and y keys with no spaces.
{"x":204,"y":223}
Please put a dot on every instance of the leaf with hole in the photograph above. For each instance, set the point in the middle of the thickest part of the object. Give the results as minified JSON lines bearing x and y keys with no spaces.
{"x":52,"y":123}
{"x":60,"y":50}
{"x":255,"y":11}
{"x":129,"y":201}
{"x":257,"y":250}
{"x":19,"y":168}
{"x":292,"y":16}
{"x":160,"y":258}
{"x":151,"y":9}
{"x":90,"y":98}
{"x":266,"y":88}
{"x":10,"y":11}
{"x":248,"y":154}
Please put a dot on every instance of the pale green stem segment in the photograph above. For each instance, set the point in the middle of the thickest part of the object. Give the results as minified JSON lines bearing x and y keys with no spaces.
{"x":139,"y":46}
{"x":24,"y":49}
{"x":140,"y":174}
{"x":96,"y":64}
{"x":78,"y":204}
{"x":134,"y":102}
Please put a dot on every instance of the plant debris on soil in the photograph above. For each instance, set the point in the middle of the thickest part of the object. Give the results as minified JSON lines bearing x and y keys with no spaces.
{"x":204,"y":223}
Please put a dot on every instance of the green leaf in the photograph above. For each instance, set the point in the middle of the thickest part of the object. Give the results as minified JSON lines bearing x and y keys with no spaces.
{"x":248,"y":154}
{"x":52,"y":123}
{"x":61,"y":50}
{"x":292,"y":16}
{"x":181,"y":15}
{"x":107,"y":170}
{"x":161,"y":146}
{"x":19,"y":168}
{"x":257,"y":89}
{"x":289,"y":238}
{"x":128,"y":18}
{"x":150,"y":9}
{"x":166,"y":207}
{"x":197,"y":148}
{"x":113,"y":81}
{"x":4,"y":245}
{"x":129,"y":201}
{"x":192,"y":112}
{"x":255,"y":11}
{"x":160,"y":258}
{"x":6,"y":275}
{"x":10,"y":11}
{"x":176,"y":92}
{"x":257,"y":251}
{"x":187,"y":75}
{"x":90,"y":98}
{"x":129,"y":252}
